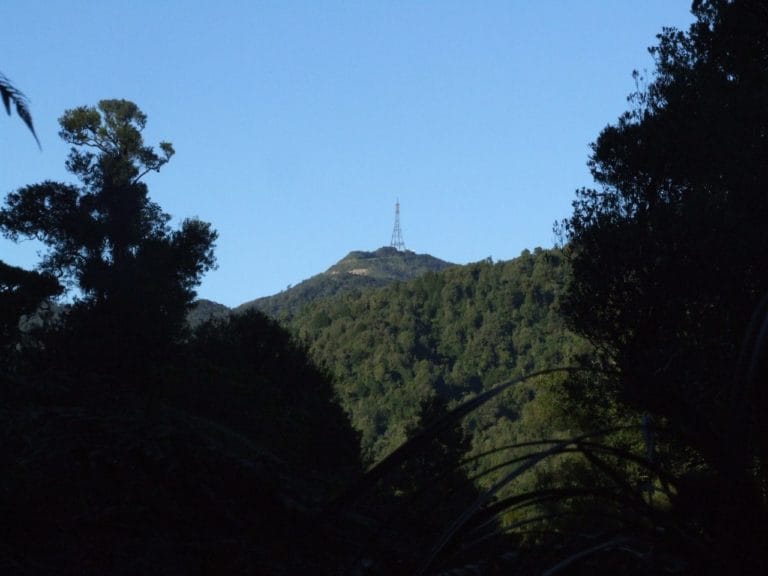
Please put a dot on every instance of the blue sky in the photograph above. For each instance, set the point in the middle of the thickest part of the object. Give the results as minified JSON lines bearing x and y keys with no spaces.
{"x":297,"y":125}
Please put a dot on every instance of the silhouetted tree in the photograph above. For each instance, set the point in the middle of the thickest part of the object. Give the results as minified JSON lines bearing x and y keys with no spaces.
{"x":669,"y":253}
{"x":254,"y":365}
{"x":136,"y":276}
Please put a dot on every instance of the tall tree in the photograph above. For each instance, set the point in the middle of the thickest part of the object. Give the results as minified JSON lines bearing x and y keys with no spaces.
{"x":669,"y":252}
{"x":135,"y":275}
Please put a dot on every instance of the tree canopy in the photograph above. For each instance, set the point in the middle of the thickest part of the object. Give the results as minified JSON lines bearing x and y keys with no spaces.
{"x":105,"y":236}
{"x":668,"y":251}
{"x":450,"y":334}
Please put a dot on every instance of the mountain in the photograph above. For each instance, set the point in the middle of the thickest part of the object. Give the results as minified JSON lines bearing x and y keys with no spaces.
{"x":450,"y":334}
{"x":355,"y":271}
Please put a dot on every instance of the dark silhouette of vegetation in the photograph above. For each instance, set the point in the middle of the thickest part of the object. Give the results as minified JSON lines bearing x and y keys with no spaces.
{"x":396,"y":512}
{"x":130,"y":444}
{"x":133,"y":443}
{"x":669,"y":276}
{"x":203,"y":310}
{"x":21,"y":293}
{"x":282,"y":395}
{"x":220,"y":468}
{"x":135,"y":276}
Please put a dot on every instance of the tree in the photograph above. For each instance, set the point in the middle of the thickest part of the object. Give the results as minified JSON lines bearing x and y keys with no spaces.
{"x":135,"y":275}
{"x":669,"y":252}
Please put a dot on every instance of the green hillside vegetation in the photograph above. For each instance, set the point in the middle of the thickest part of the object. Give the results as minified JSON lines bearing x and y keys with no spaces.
{"x":358,"y":270}
{"x":403,"y":356}
{"x":450,"y":334}
{"x":668,"y":282}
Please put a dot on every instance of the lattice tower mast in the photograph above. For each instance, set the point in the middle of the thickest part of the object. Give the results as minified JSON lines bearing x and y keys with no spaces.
{"x":397,"y":234}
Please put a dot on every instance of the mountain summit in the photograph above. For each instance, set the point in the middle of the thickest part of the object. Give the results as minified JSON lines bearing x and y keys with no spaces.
{"x":355,"y":271}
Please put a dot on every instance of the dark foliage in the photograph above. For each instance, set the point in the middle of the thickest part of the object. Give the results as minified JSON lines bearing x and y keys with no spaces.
{"x":279,"y":394}
{"x":220,"y":466}
{"x":395,"y":513}
{"x":127,"y":444}
{"x":203,"y":310}
{"x":130,"y":445}
{"x":135,"y":275}
{"x":12,"y":95}
{"x":21,"y":292}
{"x":669,"y":254}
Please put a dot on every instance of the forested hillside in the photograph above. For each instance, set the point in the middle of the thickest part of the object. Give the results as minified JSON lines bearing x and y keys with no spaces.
{"x":357,"y":270}
{"x":451,"y":335}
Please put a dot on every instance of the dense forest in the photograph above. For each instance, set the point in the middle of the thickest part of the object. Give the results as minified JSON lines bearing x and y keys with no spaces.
{"x":447,"y":335}
{"x":595,"y":408}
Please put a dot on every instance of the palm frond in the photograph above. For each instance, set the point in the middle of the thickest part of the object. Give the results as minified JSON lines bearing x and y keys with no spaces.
{"x":13,"y":96}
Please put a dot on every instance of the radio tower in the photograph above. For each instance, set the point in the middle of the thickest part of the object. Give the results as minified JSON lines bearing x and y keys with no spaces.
{"x":397,"y":234}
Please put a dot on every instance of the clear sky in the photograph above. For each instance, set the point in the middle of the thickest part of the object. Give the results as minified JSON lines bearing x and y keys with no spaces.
{"x":298,"y":124}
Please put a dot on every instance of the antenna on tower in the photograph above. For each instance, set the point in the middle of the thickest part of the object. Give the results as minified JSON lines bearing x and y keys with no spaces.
{"x":397,"y":234}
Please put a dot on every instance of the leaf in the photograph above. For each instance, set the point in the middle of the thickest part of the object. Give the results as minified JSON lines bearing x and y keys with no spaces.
{"x":11,"y":95}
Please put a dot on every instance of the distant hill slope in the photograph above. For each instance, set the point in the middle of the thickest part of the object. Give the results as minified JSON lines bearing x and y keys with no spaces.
{"x":203,"y":310}
{"x":355,"y":271}
{"x":454,"y":334}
